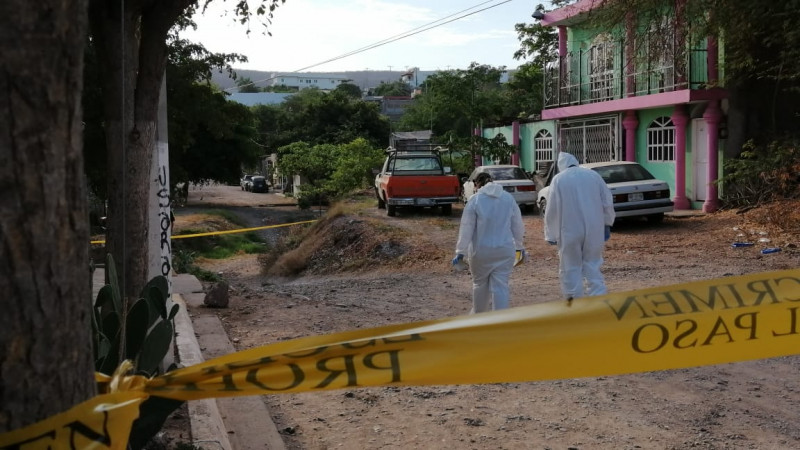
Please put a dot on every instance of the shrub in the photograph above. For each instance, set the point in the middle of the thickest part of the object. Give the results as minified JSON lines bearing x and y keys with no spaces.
{"x":762,"y":174}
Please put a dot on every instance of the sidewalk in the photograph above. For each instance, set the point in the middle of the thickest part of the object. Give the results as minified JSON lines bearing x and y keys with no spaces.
{"x":235,"y":423}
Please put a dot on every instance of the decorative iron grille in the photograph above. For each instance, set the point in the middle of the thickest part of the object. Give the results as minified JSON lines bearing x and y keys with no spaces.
{"x":661,"y":140}
{"x":593,"y":140}
{"x":543,"y":146}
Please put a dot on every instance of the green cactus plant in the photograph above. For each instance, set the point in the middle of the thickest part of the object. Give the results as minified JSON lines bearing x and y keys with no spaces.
{"x":145,"y":340}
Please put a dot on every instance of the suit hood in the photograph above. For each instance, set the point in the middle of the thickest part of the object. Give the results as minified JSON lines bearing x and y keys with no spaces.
{"x":492,"y":189}
{"x":566,"y":160}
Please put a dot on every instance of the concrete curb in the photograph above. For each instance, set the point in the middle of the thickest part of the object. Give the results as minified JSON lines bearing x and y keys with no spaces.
{"x":206,"y":421}
{"x":233,"y":423}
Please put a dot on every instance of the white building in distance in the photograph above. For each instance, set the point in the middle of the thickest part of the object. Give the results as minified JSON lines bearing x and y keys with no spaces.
{"x":303,"y":81}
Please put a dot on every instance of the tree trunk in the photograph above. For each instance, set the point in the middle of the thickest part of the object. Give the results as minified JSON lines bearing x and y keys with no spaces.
{"x":46,"y":362}
{"x":132,"y":50}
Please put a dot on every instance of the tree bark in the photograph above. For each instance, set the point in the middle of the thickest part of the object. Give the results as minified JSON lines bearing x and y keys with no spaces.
{"x":46,"y":362}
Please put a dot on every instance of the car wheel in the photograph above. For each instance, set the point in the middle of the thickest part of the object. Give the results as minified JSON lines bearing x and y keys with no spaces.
{"x":391,"y":210}
{"x":655,"y":218}
{"x":542,"y":206}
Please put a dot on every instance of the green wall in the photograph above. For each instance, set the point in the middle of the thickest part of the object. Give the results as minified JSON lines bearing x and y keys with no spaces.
{"x":661,"y":170}
{"x":527,"y":132}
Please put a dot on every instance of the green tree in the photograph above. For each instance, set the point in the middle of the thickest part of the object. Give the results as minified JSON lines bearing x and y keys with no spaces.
{"x":131,"y":46}
{"x":210,"y":138}
{"x":456,"y":101}
{"x":280,"y":88}
{"x":393,"y":89}
{"x":538,"y":44}
{"x":316,"y":117}
{"x":353,"y":167}
{"x":522,"y":95}
{"x":330,"y":171}
{"x":349,"y":89}
{"x":246,"y":85}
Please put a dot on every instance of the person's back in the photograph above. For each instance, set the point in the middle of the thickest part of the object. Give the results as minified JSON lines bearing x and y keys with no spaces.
{"x":576,"y":201}
{"x":493,"y":204}
{"x":579,"y":208}
{"x":491,"y":231}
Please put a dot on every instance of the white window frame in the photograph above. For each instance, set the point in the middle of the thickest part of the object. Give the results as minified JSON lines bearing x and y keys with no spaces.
{"x":661,"y":140}
{"x":543,"y":145}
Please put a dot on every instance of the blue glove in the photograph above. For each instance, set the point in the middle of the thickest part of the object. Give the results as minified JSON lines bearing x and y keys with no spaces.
{"x":457,"y":259}
{"x":551,"y":242}
{"x":607,"y":233}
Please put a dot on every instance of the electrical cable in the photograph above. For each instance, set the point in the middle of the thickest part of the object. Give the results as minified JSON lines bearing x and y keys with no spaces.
{"x":397,"y":37}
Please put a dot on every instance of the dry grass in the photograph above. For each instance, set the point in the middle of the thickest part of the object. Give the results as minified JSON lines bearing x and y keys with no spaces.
{"x":203,"y":223}
{"x":779,"y":219}
{"x":339,"y":243}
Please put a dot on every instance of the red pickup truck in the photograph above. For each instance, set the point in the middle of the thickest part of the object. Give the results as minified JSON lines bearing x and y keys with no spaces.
{"x":416,"y":179}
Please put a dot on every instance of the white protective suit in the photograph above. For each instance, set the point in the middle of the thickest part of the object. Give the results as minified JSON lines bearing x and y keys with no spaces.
{"x":491,"y":231}
{"x":579,"y":207}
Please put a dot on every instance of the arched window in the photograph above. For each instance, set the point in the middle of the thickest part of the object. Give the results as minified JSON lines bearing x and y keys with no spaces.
{"x":543,"y":146}
{"x":661,"y":140}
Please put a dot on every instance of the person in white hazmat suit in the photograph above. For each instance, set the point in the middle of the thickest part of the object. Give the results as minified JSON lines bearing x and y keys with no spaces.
{"x":578,"y":218}
{"x":490,"y":233}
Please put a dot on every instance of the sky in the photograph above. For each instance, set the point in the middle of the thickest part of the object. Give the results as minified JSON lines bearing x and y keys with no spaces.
{"x":316,"y":35}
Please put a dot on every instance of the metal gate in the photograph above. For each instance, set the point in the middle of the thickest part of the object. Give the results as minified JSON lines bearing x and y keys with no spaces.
{"x":590,"y":140}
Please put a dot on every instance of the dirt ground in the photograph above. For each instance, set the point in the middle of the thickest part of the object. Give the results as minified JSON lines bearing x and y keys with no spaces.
{"x":353,"y":276}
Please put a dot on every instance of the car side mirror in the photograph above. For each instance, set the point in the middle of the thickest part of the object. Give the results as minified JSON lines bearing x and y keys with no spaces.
{"x":447,"y":170}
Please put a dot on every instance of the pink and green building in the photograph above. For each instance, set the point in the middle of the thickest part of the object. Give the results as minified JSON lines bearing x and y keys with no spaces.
{"x":641,"y":92}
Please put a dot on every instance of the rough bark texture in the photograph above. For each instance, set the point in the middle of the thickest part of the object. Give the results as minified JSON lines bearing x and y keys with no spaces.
{"x":45,"y":344}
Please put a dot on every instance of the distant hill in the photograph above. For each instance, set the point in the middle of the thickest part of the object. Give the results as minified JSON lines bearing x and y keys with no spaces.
{"x":363,"y":78}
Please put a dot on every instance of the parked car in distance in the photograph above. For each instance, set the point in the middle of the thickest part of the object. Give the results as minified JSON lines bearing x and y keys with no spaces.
{"x":513,"y":179}
{"x":636,"y":192}
{"x":245,"y":182}
{"x":259,"y":184}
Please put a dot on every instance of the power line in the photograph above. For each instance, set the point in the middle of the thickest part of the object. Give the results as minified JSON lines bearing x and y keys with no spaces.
{"x":414,"y":31}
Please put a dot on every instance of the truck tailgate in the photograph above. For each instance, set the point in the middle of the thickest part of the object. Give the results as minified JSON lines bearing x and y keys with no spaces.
{"x":423,"y":186}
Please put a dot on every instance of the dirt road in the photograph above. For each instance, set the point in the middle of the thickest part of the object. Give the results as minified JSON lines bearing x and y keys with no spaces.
{"x":747,"y":405}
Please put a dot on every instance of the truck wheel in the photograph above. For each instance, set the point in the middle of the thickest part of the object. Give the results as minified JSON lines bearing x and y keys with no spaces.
{"x":391,"y":210}
{"x":447,"y":210}
{"x":381,"y":203}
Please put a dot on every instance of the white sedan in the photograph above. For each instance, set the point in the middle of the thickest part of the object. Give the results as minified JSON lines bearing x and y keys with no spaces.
{"x":513,"y":179}
{"x":636,"y":192}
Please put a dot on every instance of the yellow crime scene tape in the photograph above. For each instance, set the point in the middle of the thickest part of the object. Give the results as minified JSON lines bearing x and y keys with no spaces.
{"x":214,"y":233}
{"x":692,"y":324}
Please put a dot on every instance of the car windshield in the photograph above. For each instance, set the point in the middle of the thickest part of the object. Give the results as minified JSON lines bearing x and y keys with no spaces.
{"x":506,"y":173}
{"x":623,"y":172}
